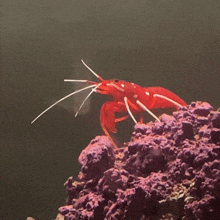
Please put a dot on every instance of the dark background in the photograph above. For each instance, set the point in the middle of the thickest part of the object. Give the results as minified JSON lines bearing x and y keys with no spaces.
{"x":174,"y":44}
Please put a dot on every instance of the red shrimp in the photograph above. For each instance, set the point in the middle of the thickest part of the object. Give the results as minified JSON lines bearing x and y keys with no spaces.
{"x":127,"y":98}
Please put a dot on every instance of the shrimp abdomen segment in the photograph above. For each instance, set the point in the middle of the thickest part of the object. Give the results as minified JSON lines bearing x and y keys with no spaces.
{"x":163,"y":98}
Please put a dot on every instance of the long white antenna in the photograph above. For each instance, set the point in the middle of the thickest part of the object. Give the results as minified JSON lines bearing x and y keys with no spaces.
{"x":94,"y":73}
{"x":76,"y":80}
{"x":80,"y":90}
{"x":93,"y":90}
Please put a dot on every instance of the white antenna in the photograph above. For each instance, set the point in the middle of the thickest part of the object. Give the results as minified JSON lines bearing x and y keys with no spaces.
{"x":93,"y":90}
{"x":65,"y":97}
{"x":94,"y":73}
{"x":76,"y":80}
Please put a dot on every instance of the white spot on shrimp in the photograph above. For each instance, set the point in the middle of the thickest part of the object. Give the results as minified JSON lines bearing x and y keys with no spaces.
{"x":147,"y":93}
{"x":135,"y":96}
{"x":122,"y":85}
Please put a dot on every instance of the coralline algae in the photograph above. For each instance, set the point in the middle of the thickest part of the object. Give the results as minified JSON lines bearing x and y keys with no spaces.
{"x":168,"y":170}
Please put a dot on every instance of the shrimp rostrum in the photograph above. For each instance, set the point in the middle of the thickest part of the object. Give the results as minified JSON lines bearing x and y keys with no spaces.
{"x":129,"y":99}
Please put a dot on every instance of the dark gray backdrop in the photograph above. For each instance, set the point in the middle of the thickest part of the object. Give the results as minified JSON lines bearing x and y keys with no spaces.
{"x":174,"y":44}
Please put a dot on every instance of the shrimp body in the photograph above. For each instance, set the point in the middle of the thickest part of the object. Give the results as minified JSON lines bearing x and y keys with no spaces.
{"x":128,"y":99}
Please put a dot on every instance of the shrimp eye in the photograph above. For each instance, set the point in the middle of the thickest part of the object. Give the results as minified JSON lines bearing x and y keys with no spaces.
{"x":116,"y":80}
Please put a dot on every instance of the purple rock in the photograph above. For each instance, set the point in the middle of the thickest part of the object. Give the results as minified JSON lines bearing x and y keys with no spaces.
{"x":88,"y":207}
{"x":112,"y":180}
{"x":202,"y":120}
{"x":158,"y":128}
{"x":205,"y":132}
{"x":215,"y":135}
{"x":215,"y":118}
{"x":146,"y":156}
{"x":97,"y":157}
{"x":65,"y":209}
{"x":142,"y":128}
{"x":202,"y":108}
{"x":167,"y":119}
{"x":169,"y":168}
{"x":187,"y":128}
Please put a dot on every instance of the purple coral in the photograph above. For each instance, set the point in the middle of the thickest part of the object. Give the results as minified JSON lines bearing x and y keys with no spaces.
{"x":168,"y":170}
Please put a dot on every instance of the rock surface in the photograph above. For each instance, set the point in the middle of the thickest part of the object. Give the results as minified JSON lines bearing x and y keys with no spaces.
{"x":168,"y":170}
